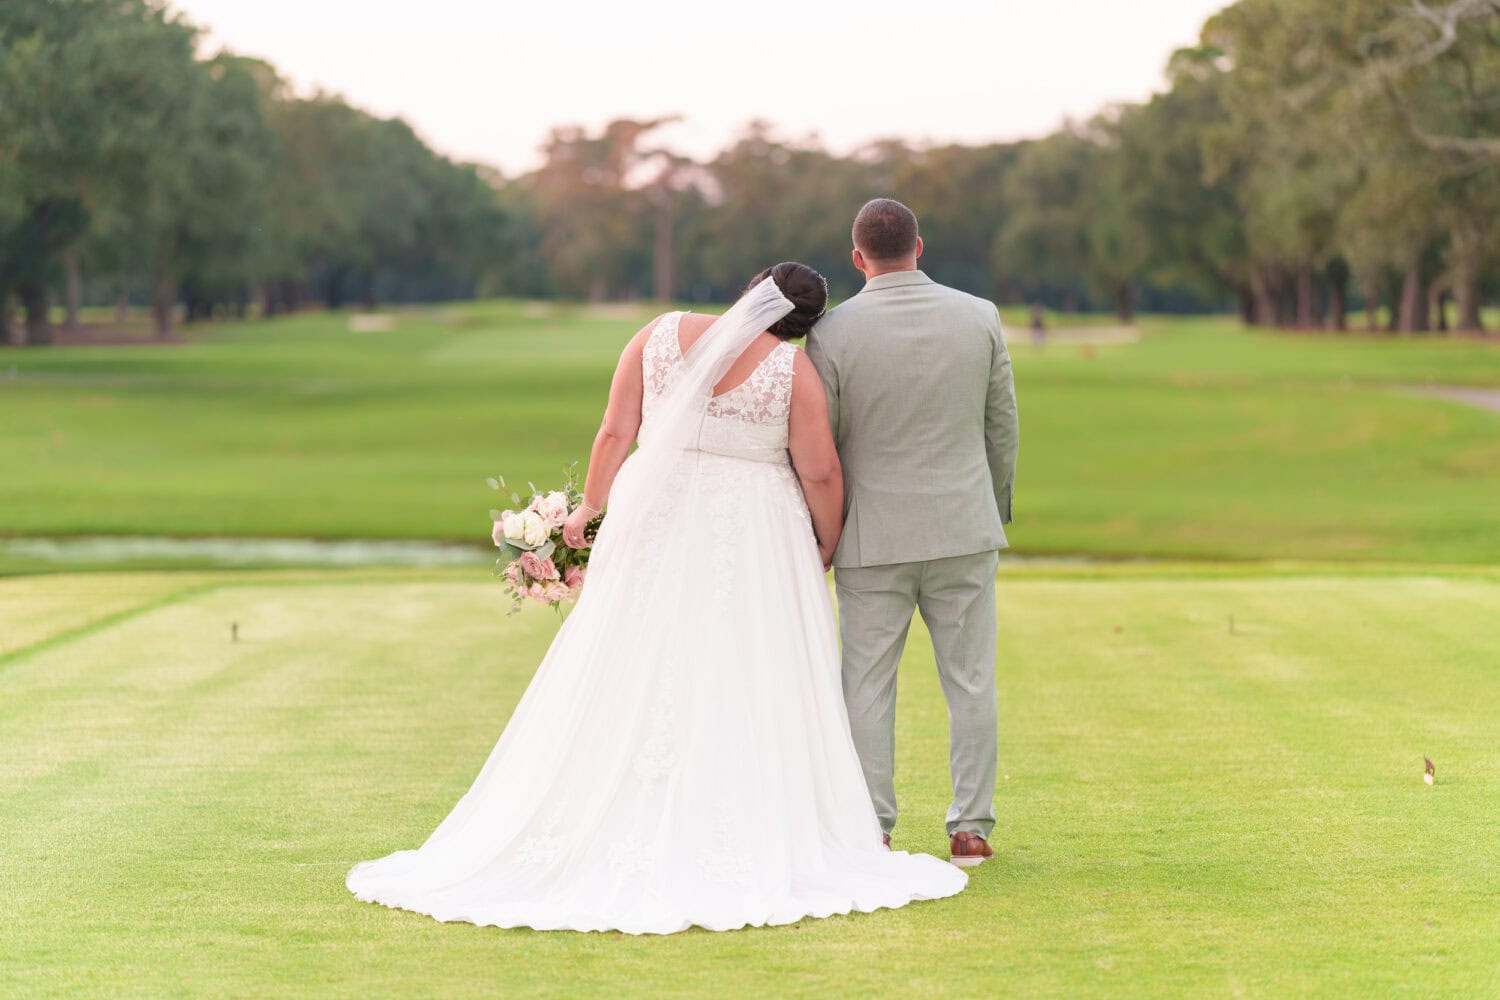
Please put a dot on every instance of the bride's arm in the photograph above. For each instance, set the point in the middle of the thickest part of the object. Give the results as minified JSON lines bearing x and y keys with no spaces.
{"x":814,"y":456}
{"x":622,"y":419}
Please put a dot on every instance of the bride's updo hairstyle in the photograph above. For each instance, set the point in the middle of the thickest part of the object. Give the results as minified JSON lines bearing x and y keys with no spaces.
{"x":805,"y":288}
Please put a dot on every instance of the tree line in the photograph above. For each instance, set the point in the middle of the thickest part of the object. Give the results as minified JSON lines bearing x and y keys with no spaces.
{"x":131,"y":168}
{"x":1308,"y":157}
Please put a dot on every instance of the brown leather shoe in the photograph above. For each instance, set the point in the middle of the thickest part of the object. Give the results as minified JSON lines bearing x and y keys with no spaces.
{"x":887,"y":838}
{"x":968,"y":849}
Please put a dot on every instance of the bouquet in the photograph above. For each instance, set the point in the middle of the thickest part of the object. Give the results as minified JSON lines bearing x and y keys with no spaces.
{"x":534,"y":562}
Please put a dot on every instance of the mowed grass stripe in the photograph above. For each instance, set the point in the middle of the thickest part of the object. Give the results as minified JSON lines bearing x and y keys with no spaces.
{"x":1186,"y":808}
{"x":39,"y":611}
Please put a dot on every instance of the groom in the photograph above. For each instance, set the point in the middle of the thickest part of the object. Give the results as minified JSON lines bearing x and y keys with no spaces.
{"x":924,"y":415}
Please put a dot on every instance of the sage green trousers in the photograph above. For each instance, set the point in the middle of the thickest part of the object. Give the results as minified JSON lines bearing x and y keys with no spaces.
{"x":957,"y":599}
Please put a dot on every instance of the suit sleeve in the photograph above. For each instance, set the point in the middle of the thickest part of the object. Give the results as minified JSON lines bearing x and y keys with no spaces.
{"x":1002,"y":433}
{"x":829,"y":374}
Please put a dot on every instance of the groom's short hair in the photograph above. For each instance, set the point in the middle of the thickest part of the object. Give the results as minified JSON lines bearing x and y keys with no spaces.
{"x":885,"y":230}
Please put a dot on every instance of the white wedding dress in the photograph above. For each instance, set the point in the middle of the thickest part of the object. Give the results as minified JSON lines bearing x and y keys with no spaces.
{"x":682,"y":756}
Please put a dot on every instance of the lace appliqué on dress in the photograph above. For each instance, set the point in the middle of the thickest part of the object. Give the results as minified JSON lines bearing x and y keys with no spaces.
{"x":763,"y":398}
{"x":659,"y":359}
{"x":658,"y":757}
{"x":721,"y":865}
{"x":628,"y":859}
{"x":542,"y":849}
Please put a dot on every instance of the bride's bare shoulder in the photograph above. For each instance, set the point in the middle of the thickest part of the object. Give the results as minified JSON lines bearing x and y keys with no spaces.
{"x":691,"y":326}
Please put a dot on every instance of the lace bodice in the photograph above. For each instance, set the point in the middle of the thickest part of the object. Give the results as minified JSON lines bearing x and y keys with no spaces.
{"x":748,"y":421}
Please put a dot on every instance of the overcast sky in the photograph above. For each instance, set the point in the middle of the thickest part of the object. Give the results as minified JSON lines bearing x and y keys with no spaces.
{"x":486,"y":79}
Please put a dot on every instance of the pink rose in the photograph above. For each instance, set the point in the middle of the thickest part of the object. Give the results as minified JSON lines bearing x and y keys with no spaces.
{"x":513,"y":574}
{"x":537,"y":592}
{"x":573,"y":578}
{"x":538,"y":569}
{"x":558,"y":591}
{"x":552,"y":508}
{"x":497,"y":531}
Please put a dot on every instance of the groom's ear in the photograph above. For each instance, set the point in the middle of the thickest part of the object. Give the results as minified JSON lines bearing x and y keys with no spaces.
{"x":918,"y":254}
{"x":859,"y":260}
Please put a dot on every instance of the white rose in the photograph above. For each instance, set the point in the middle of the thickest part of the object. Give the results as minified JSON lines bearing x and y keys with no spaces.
{"x":553,"y":509}
{"x":513,"y":526}
{"x":534,"y":529}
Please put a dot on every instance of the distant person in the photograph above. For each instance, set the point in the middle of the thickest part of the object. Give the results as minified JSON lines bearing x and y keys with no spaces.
{"x":682,"y":756}
{"x":1038,"y":325}
{"x":923,"y":412}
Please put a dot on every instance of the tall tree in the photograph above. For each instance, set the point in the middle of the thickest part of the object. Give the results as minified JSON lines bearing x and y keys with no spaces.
{"x":1181,"y":160}
{"x":1042,"y":247}
{"x":1075,"y":228}
{"x":202,"y":193}
{"x":82,"y":89}
{"x":591,"y":219}
{"x":1372,"y":122}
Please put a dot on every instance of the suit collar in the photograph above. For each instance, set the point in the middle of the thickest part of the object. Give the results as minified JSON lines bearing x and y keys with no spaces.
{"x":894,"y":279}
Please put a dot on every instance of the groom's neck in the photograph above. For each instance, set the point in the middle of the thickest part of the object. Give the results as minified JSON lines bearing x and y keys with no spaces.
{"x":889,"y":267}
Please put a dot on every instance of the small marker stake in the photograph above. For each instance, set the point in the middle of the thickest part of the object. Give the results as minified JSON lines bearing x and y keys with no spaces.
{"x":234,"y":631}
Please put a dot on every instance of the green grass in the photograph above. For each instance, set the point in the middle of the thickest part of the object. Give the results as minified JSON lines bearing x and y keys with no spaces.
{"x":1191,"y":807}
{"x":1186,"y":810}
{"x":1200,"y":441}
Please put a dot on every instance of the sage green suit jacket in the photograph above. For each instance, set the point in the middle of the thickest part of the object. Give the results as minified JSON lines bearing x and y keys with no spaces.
{"x":923,"y":407}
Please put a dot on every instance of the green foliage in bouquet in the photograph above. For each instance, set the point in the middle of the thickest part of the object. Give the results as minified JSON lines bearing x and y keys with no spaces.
{"x":533,"y":560}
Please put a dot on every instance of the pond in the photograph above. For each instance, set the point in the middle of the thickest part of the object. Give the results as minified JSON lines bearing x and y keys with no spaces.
{"x":107,"y":550}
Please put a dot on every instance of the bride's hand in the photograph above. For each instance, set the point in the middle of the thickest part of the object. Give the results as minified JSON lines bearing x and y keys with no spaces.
{"x":826,"y":555}
{"x":574,"y":526}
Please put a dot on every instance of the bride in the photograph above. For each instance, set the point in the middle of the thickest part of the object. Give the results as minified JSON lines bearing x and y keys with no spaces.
{"x":682,"y":756}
